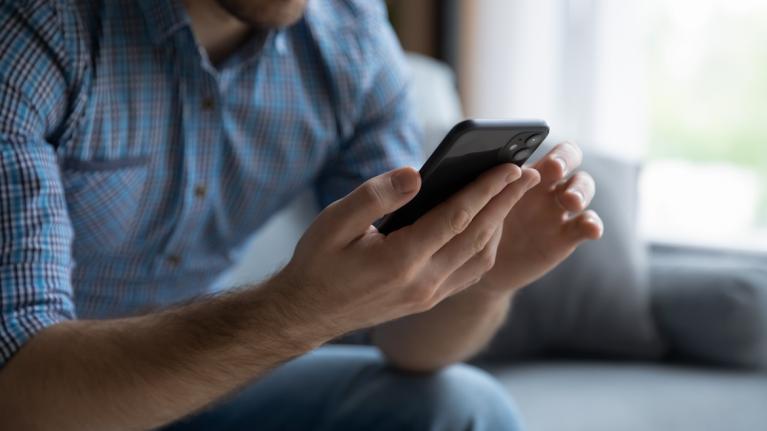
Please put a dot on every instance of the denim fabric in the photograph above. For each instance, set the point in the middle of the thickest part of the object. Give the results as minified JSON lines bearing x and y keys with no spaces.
{"x":352,"y":388}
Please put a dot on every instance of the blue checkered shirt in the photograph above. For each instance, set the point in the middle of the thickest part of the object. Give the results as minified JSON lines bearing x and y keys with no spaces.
{"x":132,"y":170}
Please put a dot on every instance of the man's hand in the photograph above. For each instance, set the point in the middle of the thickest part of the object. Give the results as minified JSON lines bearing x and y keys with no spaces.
{"x":548,"y":224}
{"x":540,"y":231}
{"x":354,"y":277}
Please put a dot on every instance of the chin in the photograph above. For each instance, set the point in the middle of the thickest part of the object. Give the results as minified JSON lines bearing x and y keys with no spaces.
{"x":266,"y":13}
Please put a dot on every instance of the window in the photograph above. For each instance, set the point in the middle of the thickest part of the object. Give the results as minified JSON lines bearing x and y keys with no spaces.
{"x":706,"y":176}
{"x":681,"y":85}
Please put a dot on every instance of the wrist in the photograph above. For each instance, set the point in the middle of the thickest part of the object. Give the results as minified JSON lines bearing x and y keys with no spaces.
{"x":484,"y":298}
{"x":484,"y":292}
{"x":295,"y":319}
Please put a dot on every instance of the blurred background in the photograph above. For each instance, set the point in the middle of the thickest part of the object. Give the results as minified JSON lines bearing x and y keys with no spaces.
{"x":680,"y":85}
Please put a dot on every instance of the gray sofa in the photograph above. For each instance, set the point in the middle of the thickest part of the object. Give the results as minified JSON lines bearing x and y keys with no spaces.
{"x":686,"y":389}
{"x":693,"y":357}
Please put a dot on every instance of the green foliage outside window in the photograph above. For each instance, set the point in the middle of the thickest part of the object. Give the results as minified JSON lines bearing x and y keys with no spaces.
{"x":708,"y":84}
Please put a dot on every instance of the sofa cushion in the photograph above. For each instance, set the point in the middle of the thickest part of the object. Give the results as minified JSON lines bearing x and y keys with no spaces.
{"x":597,"y":302}
{"x":609,"y":396}
{"x":712,"y":306}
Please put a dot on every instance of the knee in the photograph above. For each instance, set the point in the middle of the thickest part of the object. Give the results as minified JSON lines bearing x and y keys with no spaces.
{"x":461,"y":397}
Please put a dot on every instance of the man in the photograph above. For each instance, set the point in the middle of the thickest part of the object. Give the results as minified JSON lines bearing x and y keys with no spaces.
{"x":143,"y":141}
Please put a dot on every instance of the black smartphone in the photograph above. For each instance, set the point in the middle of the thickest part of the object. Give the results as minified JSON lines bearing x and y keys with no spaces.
{"x":469,"y":149}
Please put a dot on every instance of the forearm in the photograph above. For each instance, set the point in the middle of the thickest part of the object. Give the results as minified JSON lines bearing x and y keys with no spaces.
{"x":453,"y":331}
{"x":139,"y":373}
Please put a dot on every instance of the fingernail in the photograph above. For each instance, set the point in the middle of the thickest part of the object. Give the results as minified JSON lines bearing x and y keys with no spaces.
{"x":404,"y":182}
{"x":561,"y":162}
{"x":578,"y":194}
{"x":595,"y":222}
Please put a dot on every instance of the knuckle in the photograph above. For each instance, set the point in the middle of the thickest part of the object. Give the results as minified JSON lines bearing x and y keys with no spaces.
{"x":333,"y":206}
{"x":420,"y":295}
{"x":488,"y":259}
{"x":459,"y":220}
{"x":373,"y":193}
{"x":431,"y":282}
{"x":481,"y":240}
{"x":404,"y":271}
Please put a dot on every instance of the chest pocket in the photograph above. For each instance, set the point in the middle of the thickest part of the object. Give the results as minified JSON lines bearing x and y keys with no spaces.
{"x":103,"y":200}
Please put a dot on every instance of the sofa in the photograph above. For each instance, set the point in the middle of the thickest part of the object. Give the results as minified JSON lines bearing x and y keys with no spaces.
{"x":624,"y":335}
{"x":684,"y":389}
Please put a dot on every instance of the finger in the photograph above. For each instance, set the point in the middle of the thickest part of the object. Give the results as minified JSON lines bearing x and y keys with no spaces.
{"x":584,"y":227}
{"x":438,"y":226}
{"x":575,"y":194}
{"x":478,"y":234}
{"x":558,"y":162}
{"x":351,"y":216}
{"x":472,"y":271}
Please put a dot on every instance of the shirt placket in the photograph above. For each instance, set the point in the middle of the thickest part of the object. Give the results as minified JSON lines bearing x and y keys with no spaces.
{"x":202,"y":134}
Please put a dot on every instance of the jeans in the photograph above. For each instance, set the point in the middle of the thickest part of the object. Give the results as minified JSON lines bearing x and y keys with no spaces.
{"x":352,"y":388}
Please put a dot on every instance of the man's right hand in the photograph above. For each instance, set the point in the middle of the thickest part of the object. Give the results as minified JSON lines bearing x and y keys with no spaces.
{"x":348,"y":276}
{"x":343,"y":276}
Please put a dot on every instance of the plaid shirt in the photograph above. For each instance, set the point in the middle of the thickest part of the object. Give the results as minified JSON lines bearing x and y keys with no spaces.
{"x":132,"y":170}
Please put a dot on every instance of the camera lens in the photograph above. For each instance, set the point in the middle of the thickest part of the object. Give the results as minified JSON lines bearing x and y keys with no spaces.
{"x":534,"y":140}
{"x":522,"y":155}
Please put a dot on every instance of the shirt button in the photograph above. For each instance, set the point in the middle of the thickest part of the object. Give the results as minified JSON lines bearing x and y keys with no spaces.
{"x":200,"y":191}
{"x":208,"y":103}
{"x":173,"y":260}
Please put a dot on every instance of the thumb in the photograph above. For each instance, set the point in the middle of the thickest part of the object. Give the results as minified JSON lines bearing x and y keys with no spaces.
{"x":351,"y":216}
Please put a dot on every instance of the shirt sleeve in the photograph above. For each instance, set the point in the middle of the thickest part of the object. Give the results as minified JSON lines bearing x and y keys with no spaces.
{"x":385,"y":134}
{"x":35,"y":232}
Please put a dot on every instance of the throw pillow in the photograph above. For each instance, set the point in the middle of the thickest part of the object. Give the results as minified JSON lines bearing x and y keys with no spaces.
{"x":597,"y":302}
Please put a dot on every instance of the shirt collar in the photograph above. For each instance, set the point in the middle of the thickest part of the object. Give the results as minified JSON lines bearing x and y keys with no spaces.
{"x":163,"y":17}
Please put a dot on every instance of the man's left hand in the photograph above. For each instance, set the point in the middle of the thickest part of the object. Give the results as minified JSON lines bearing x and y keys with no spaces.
{"x":547,"y":224}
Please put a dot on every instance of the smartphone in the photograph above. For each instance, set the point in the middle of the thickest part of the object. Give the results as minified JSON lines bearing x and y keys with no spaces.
{"x":469,"y":149}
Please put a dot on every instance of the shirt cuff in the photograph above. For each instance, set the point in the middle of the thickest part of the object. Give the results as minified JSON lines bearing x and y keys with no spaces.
{"x":17,"y":328}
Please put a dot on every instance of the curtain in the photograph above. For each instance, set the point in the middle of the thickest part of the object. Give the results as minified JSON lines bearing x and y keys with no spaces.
{"x":575,"y":63}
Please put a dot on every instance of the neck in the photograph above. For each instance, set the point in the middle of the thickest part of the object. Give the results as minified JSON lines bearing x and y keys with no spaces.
{"x":219,"y":32}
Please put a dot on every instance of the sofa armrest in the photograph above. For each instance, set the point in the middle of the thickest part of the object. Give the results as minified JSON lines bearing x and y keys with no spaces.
{"x":711,"y":305}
